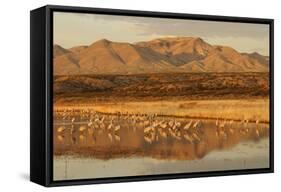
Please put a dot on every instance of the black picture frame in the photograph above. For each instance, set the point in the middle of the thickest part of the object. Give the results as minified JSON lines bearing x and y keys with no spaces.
{"x":41,"y":94}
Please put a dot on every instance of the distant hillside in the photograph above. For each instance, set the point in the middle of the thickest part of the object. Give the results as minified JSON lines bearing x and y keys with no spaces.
{"x":161,"y":86}
{"x":163,"y":55}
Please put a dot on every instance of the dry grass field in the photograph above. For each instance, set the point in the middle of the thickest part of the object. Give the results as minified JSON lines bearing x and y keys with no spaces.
{"x":235,"y":96}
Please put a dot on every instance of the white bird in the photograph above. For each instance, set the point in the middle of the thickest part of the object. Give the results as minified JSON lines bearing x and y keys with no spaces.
{"x":197,"y":124}
{"x":195,"y":136}
{"x":61,"y":129}
{"x":188,"y":138}
{"x":163,"y":125}
{"x":217,"y":122}
{"x":178,"y":124}
{"x":82,"y":128}
{"x":90,"y":123}
{"x":109,"y":127}
{"x":148,"y":129}
{"x":257,"y":132}
{"x":188,"y":125}
{"x":72,"y":120}
{"x":72,"y":130}
{"x":257,"y":122}
{"x":117,"y":128}
{"x":171,"y":123}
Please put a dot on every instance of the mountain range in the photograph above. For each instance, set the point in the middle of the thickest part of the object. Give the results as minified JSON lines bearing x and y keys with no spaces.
{"x":162,"y":55}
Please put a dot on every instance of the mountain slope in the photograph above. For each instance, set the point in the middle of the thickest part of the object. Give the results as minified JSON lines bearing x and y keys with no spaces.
{"x":179,"y":54}
{"x":109,"y":57}
{"x":58,"y":50}
{"x":195,"y":55}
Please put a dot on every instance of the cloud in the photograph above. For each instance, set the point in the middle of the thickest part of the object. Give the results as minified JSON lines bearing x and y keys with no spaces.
{"x":89,"y":27}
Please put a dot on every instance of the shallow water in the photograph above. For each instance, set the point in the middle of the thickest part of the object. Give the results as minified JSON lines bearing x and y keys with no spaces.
{"x":246,"y":155}
{"x":84,"y":150}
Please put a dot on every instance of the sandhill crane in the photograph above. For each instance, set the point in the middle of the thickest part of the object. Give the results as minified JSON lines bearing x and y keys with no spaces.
{"x":72,"y":120}
{"x":217,"y":122}
{"x":64,"y":116}
{"x":102,"y":125}
{"x":257,"y":132}
{"x":221,"y":126}
{"x":82,"y":129}
{"x":90,"y":123}
{"x":221,"y":129}
{"x":110,"y":126}
{"x":97,"y":120}
{"x":197,"y":124}
{"x":188,"y":138}
{"x":155,"y":115}
{"x":149,"y":134}
{"x":117,"y":128}
{"x":171,"y":123}
{"x":175,"y":131}
{"x":163,"y":125}
{"x":257,"y":123}
{"x":72,"y":130}
{"x":178,"y":124}
{"x":188,"y":125}
{"x":257,"y":128}
{"x":102,"y":119}
{"x":148,"y":129}
{"x":61,"y":129}
{"x":195,"y":136}
{"x":155,"y":123}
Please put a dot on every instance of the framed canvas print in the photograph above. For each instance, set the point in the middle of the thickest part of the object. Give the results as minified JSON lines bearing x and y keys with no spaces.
{"x":119,"y":95}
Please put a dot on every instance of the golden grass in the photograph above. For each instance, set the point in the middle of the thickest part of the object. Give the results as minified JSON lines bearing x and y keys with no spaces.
{"x":240,"y":109}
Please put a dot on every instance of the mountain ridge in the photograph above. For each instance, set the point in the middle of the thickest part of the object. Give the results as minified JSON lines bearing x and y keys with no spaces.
{"x":161,"y":55}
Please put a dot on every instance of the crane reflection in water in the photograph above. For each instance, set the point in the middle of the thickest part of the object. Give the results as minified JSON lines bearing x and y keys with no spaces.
{"x":105,"y":136}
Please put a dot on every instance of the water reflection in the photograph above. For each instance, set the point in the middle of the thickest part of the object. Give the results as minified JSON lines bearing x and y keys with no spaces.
{"x":88,"y":133}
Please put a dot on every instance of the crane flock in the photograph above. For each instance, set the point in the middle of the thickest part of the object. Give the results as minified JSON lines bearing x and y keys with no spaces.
{"x":154,"y":127}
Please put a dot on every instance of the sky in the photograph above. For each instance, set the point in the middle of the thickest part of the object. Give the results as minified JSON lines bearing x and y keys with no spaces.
{"x":73,"y":29}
